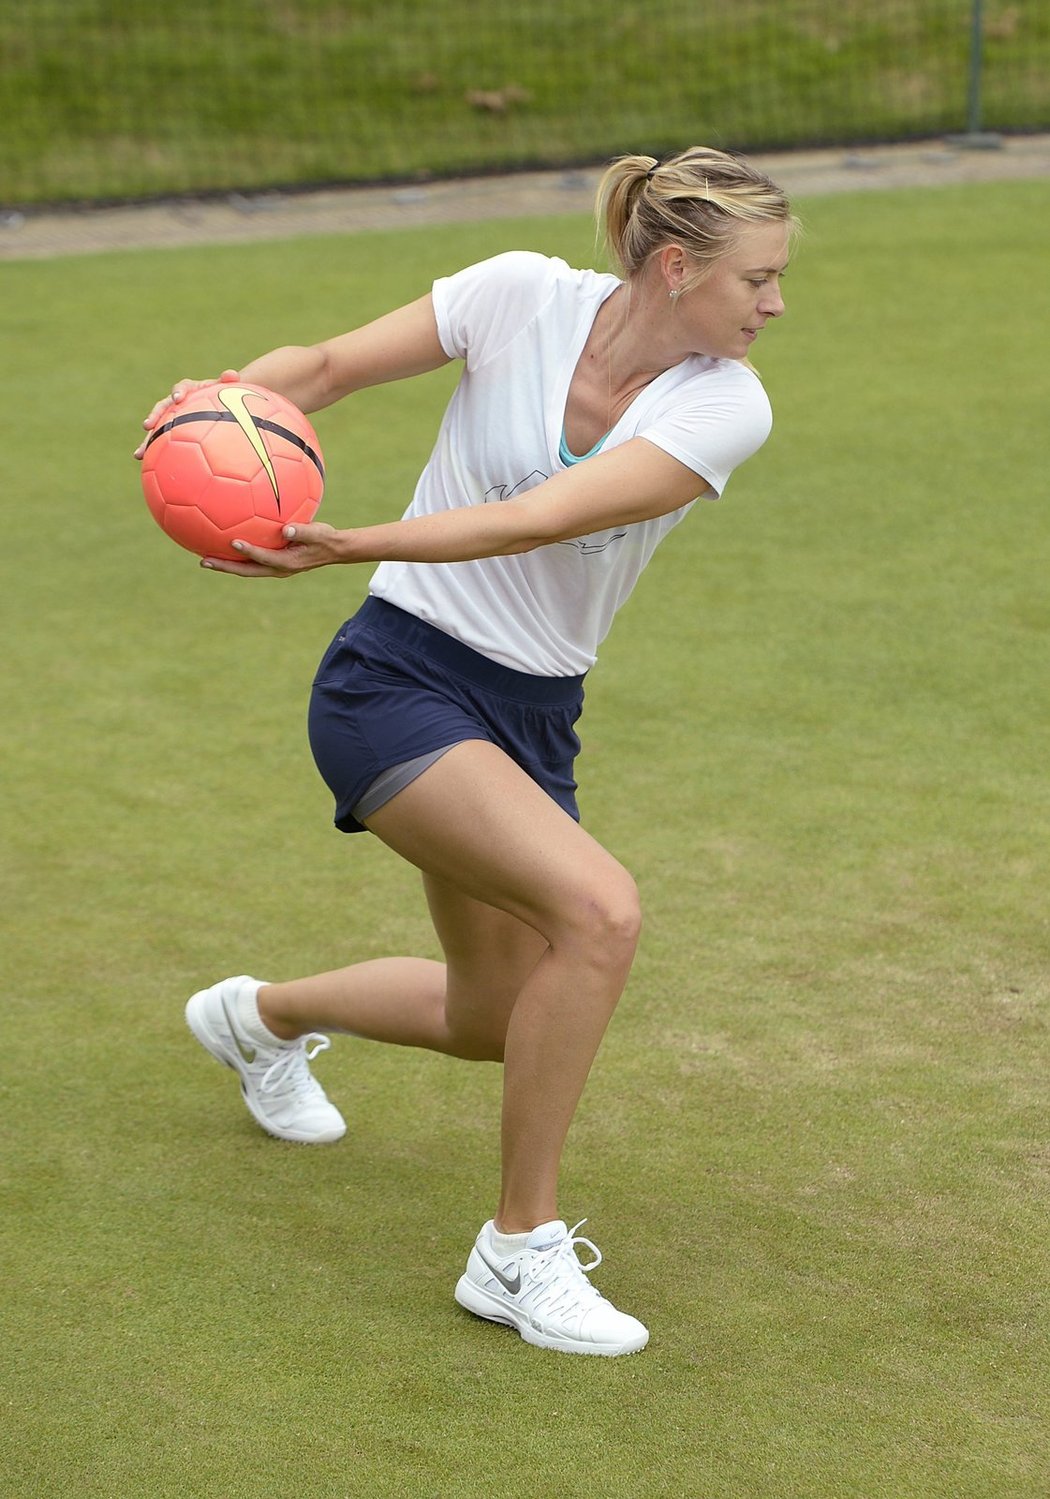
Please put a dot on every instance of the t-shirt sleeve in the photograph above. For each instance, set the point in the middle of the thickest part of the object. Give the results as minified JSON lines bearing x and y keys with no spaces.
{"x":717,"y":422}
{"x":479,"y":310}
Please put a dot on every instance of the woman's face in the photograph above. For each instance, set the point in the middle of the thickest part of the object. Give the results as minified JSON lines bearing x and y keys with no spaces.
{"x":725,"y":313}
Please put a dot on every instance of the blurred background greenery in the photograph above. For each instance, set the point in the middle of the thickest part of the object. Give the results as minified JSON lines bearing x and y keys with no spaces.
{"x":117,"y":99}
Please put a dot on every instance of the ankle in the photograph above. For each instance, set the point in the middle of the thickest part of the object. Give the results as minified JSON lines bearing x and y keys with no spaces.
{"x":280,"y":1028}
{"x":509,"y":1224}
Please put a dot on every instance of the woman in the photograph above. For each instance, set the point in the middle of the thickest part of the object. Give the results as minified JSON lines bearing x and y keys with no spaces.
{"x":591,"y":413}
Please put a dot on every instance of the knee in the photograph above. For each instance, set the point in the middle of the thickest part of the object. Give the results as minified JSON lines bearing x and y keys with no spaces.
{"x":610,"y":922}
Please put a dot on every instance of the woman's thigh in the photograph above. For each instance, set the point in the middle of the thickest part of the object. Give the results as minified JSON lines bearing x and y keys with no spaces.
{"x":476,"y":822}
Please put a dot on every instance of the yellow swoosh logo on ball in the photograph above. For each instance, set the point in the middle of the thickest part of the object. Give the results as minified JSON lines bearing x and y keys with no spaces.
{"x":233,"y":398}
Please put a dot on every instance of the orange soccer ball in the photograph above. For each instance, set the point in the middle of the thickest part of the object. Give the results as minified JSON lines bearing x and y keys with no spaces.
{"x":232,"y":462}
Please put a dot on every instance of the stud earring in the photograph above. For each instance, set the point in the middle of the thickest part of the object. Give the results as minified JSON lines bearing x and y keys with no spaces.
{"x":675,"y":293}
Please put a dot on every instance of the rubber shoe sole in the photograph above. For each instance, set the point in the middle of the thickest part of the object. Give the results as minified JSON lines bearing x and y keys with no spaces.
{"x":474,"y":1298}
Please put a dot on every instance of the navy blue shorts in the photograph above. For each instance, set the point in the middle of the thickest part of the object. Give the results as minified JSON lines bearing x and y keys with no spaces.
{"x":392,"y":688}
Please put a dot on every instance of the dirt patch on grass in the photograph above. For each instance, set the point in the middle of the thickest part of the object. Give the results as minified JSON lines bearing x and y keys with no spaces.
{"x":238,"y":218}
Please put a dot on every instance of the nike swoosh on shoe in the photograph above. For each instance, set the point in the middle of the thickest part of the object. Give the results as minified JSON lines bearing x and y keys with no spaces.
{"x":510,"y":1286}
{"x":247,"y":1053}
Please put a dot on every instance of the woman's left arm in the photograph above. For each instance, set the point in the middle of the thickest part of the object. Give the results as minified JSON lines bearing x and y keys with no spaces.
{"x":635,"y":482}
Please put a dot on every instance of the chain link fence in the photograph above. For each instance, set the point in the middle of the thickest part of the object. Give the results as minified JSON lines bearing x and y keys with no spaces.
{"x":111,"y":100}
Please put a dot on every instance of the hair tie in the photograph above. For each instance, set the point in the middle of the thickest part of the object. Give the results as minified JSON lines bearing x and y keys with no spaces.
{"x":651,"y":173}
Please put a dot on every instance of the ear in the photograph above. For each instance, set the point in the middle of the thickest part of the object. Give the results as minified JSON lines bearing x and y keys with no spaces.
{"x":674,"y":266}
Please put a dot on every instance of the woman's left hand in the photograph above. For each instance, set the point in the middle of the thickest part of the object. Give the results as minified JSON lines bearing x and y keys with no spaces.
{"x":179,"y":391}
{"x":312,"y":545}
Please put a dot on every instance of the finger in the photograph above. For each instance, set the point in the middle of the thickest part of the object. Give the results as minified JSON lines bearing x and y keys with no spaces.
{"x":281,"y":560}
{"x":156,"y":414}
{"x":229,"y":375}
{"x":149,"y":423}
{"x":308,"y":533}
{"x":240,"y":569}
{"x":299,"y":556}
{"x":179,"y":391}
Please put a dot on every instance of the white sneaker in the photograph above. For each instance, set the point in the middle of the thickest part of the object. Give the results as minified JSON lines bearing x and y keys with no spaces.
{"x":278,"y":1086}
{"x":543,"y":1291}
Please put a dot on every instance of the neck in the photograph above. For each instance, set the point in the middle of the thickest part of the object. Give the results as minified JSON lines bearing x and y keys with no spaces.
{"x":626,"y":349}
{"x":635,"y":339}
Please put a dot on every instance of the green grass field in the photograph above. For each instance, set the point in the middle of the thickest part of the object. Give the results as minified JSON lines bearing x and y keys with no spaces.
{"x":814,"y":1147}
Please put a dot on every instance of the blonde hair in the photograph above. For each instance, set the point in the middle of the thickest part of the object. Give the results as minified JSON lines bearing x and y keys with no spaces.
{"x":700,"y":199}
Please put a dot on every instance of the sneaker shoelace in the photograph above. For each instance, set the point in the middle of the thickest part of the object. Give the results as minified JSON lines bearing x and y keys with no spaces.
{"x":290,"y":1073}
{"x":559,"y":1276}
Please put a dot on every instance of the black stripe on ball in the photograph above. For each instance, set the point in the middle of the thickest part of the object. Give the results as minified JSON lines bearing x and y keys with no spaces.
{"x":228,"y":416}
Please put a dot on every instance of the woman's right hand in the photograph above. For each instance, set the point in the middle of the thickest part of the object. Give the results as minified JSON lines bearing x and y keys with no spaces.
{"x":179,"y":391}
{"x":307,"y":545}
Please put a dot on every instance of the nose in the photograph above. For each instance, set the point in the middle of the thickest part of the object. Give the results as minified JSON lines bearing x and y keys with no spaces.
{"x":772,"y":304}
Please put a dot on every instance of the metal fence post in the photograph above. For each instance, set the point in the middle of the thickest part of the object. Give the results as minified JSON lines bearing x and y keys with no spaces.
{"x":976,"y":139}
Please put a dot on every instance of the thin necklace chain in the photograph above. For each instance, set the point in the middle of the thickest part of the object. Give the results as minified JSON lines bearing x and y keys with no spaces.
{"x":612,"y":414}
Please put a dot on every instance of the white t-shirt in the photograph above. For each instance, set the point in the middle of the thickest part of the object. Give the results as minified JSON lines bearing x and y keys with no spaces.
{"x":520,"y":321}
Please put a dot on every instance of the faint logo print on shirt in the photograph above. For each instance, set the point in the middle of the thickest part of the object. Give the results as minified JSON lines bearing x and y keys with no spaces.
{"x":587,"y":546}
{"x":500,"y":492}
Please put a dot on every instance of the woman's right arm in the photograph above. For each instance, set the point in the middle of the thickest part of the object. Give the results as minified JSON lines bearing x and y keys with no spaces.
{"x":393,"y":347}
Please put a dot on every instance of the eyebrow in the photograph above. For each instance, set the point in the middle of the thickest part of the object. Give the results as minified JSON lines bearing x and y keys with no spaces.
{"x":768,"y":270}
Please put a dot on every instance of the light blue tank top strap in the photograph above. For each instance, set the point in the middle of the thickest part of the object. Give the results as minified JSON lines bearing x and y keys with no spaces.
{"x":569,"y":458}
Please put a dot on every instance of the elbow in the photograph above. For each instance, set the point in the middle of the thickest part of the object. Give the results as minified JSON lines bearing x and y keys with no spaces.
{"x":326,"y":387}
{"x":526,"y":528}
{"x":523,"y":544}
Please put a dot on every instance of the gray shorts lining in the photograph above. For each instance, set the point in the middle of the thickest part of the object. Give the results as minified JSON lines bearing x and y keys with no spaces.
{"x":389,"y":782}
